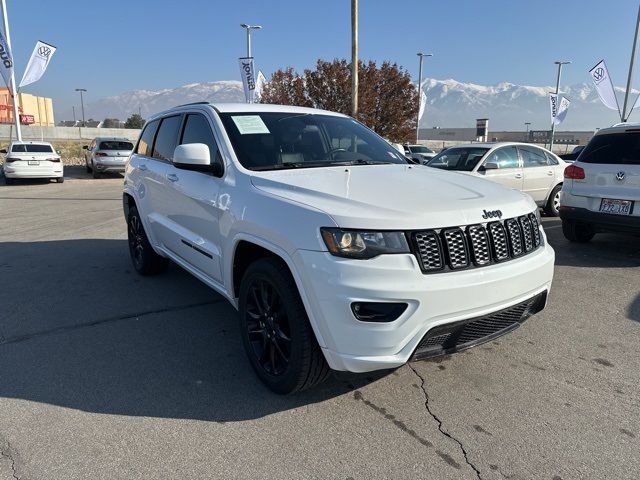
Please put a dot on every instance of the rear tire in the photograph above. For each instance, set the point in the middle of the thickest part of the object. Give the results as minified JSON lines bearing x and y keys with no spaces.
{"x":95,"y":172}
{"x":553,"y":204}
{"x":577,"y":232}
{"x":144,"y":258}
{"x":8,"y":181}
{"x":89,"y":169}
{"x":60,"y":179}
{"x":276,"y":332}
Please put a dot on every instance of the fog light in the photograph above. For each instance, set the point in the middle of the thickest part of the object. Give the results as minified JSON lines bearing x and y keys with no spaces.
{"x":377,"y":311}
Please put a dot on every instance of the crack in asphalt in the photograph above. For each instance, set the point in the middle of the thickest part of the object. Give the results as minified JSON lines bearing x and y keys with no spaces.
{"x":437,"y":419}
{"x":6,"y":453}
{"x":67,"y":328}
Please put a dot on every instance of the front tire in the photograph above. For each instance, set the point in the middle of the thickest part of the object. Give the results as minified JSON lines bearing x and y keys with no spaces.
{"x":552,"y":207}
{"x":276,"y":332}
{"x":60,"y":179}
{"x":145,"y":260}
{"x":577,"y":232}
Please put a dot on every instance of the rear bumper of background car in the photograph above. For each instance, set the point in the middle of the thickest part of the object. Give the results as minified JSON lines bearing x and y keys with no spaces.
{"x":54,"y":170}
{"x":104,"y":164}
{"x":602,"y":222}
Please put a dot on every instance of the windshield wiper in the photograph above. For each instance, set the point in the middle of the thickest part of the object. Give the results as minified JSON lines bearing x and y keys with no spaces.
{"x":359,"y":161}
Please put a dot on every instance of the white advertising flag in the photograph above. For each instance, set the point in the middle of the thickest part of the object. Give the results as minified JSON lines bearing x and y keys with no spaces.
{"x":423,"y":104}
{"x":261,"y":81}
{"x":553,"y":106}
{"x":38,"y":63}
{"x":604,"y":86}
{"x":562,"y":110}
{"x":248,"y":77}
{"x":6,"y":61}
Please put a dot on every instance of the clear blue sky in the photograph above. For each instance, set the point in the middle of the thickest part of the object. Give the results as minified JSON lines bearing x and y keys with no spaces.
{"x":113,"y":46}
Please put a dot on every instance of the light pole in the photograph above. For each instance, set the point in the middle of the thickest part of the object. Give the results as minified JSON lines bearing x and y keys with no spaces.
{"x":560,"y":63}
{"x":249,"y":28}
{"x":421,"y":56}
{"x":82,"y":90}
{"x":16,"y":113}
{"x":354,"y":58}
{"x":625,"y":114}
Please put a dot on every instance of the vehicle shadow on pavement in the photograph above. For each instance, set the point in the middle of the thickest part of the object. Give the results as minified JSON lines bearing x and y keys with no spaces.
{"x":604,"y":251}
{"x":633,"y":310}
{"x":80,"y":329}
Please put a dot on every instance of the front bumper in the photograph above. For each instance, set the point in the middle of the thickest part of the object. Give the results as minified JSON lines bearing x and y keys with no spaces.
{"x":331,"y":284}
{"x":602,"y":222}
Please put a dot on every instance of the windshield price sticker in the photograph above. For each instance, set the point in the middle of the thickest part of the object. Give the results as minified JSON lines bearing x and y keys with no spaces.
{"x":250,"y":124}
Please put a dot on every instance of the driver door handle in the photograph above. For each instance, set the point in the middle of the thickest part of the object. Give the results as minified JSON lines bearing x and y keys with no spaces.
{"x":172,"y":177}
{"x":142,"y":167}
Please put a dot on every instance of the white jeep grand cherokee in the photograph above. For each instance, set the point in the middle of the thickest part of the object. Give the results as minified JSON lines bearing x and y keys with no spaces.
{"x":336,"y":252}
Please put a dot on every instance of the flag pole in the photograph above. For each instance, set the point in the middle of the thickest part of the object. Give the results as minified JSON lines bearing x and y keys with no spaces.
{"x":625,"y":117}
{"x":12,"y":87}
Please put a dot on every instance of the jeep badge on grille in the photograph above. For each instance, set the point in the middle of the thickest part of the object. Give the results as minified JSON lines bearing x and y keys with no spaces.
{"x":491,"y":214}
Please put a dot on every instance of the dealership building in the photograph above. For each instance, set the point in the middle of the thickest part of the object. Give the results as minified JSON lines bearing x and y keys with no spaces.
{"x":532,"y":136}
{"x":33,"y":110}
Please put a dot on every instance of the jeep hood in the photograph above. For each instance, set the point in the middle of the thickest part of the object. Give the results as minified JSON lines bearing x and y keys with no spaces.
{"x":402,"y":197}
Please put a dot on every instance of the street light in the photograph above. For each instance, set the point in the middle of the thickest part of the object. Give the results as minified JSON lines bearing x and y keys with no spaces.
{"x":560,"y":63}
{"x":421,"y":56}
{"x":81,"y":90}
{"x":249,"y":28}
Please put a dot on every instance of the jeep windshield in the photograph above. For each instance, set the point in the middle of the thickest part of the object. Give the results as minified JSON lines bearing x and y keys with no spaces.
{"x":463,"y":159}
{"x":275,"y":141}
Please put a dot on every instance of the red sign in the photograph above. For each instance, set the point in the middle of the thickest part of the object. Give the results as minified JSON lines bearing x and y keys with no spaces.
{"x":27,"y":119}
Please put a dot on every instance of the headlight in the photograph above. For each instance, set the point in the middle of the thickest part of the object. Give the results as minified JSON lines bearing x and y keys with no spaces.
{"x":363,"y":244}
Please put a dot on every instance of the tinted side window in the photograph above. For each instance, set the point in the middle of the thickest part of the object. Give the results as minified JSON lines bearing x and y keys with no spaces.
{"x":613,"y":148}
{"x":533,"y":157}
{"x":167,"y":138}
{"x":506,"y":157}
{"x":146,"y":139}
{"x":197,"y":130}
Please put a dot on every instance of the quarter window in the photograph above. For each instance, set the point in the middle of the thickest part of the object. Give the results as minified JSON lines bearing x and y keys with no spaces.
{"x":146,"y":139}
{"x":167,"y":138}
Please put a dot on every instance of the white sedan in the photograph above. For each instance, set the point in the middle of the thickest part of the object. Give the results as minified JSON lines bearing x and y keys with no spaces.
{"x":31,"y":160}
{"x":522,"y":166}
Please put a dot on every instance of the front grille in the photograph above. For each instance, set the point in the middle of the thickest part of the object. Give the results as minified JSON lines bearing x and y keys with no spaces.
{"x":456,"y":248}
{"x":458,"y":336}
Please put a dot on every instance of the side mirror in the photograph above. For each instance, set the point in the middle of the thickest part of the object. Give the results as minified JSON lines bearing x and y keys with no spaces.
{"x":490,"y":166}
{"x":195,"y":156}
{"x":85,"y":147}
{"x":4,"y":150}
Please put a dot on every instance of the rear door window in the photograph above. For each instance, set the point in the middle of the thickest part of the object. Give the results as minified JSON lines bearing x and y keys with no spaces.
{"x":115,"y":145}
{"x":167,"y":138}
{"x":146,"y":139}
{"x":533,"y":157}
{"x":613,"y":149}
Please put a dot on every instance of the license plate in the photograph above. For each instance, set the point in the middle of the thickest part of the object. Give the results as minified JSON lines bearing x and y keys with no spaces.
{"x":617,"y":207}
{"x":34,"y":162}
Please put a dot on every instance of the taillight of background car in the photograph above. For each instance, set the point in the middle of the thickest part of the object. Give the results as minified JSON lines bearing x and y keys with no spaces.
{"x":574,"y":172}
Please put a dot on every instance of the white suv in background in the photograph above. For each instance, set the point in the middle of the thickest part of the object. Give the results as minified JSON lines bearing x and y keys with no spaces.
{"x":529,"y":168}
{"x":336,"y":252}
{"x":31,"y":160}
{"x":601,"y":192}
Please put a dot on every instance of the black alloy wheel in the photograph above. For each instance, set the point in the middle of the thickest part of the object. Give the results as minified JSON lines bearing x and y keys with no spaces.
{"x":268,"y":327}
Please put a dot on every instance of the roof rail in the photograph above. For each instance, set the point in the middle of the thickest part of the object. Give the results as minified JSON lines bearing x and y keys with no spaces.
{"x":192,"y":103}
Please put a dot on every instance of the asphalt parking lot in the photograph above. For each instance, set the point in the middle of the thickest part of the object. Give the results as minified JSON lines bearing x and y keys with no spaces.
{"x":105,"y":374}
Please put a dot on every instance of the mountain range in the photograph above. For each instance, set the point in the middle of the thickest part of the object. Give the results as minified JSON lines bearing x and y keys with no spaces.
{"x":450,"y":103}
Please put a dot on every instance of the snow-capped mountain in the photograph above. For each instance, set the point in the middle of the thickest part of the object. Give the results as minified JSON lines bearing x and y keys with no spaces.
{"x":449,"y":104}
{"x":153,"y":101}
{"x":455,"y":104}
